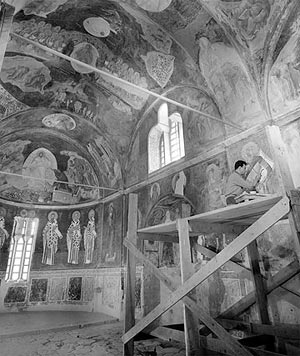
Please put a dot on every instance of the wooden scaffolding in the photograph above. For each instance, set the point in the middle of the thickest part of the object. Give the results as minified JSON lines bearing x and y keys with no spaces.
{"x":248,"y":220}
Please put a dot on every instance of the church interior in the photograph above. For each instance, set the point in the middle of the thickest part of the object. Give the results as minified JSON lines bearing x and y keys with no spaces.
{"x":120,"y":123}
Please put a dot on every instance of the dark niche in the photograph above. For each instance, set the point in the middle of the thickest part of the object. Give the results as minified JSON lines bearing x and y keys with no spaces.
{"x":15,"y":295}
{"x":38,"y":292}
{"x":74,"y":291}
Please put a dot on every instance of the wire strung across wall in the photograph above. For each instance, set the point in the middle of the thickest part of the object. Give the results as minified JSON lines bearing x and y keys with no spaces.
{"x":58,"y":181}
{"x":123,"y":81}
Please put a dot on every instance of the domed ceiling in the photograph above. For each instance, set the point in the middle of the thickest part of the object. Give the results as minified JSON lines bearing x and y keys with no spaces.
{"x":79,"y":75}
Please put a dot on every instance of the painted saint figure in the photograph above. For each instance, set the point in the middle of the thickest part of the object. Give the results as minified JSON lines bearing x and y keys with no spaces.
{"x":179,"y":183}
{"x":89,"y":237}
{"x":111,"y":256}
{"x":74,"y":238}
{"x":51,"y":234}
{"x":3,"y":232}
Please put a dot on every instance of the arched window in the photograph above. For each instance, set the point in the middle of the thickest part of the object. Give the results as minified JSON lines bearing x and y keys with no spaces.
{"x":176,"y":137}
{"x":21,"y":248}
{"x":165,"y":140}
{"x":162,"y":151}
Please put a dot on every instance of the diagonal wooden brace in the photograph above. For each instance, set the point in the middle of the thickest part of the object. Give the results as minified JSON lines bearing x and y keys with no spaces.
{"x":277,"y":212}
{"x":198,"y":311}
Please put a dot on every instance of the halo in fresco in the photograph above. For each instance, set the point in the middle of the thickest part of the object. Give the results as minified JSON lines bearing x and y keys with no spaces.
{"x":91,"y":214}
{"x":86,"y":53}
{"x":97,"y":26}
{"x":76,"y":215}
{"x":59,"y":121}
{"x":52,"y":215}
{"x":153,"y":5}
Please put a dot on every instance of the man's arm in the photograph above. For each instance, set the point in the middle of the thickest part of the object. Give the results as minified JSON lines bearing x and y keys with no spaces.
{"x":240,"y":181}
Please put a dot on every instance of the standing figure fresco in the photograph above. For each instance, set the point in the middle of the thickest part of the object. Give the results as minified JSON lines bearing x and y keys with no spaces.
{"x":179,"y":183}
{"x":110,"y":256}
{"x":74,"y":238}
{"x":155,"y":191}
{"x":51,"y":234}
{"x":89,"y":237}
{"x":3,"y":231}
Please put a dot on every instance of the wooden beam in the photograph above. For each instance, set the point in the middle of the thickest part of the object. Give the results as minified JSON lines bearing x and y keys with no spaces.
{"x":287,"y":331}
{"x":191,"y":327}
{"x":233,"y":263}
{"x":158,"y":237}
{"x":200,"y":227}
{"x":295,"y":202}
{"x":257,"y":340}
{"x":274,"y":282}
{"x":277,"y":212}
{"x":197,"y":309}
{"x":211,"y":344}
{"x":220,"y":347}
{"x":168,"y":334}
{"x":260,"y":290}
{"x":129,"y":320}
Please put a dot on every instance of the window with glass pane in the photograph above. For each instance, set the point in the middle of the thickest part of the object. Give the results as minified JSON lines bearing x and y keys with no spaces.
{"x":176,"y":137}
{"x":21,"y":248}
{"x":162,"y":153}
{"x":165,"y":140}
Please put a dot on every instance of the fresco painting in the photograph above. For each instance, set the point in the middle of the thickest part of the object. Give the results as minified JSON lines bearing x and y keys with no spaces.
{"x":59,"y":121}
{"x":85,"y":129}
{"x":89,"y":237}
{"x":74,"y":288}
{"x":230,"y":83}
{"x":112,"y":234}
{"x":284,"y":78}
{"x":51,"y":234}
{"x":38,"y":291}
{"x":74,"y":237}
{"x":15,"y":294}
{"x":34,"y":179}
{"x":168,"y":208}
{"x":291,"y":137}
{"x":207,"y":182}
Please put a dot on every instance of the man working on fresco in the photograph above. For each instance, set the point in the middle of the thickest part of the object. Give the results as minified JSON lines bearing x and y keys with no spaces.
{"x":237,"y":183}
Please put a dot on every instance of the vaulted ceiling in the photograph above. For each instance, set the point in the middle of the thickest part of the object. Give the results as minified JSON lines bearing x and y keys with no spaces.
{"x":238,"y":53}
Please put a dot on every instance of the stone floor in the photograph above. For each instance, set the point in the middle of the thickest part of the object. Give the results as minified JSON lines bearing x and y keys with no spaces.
{"x":73,"y":335}
{"x":28,"y":322}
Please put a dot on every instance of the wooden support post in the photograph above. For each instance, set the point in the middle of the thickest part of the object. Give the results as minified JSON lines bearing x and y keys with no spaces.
{"x":260,"y":292}
{"x":284,"y":174}
{"x":129,"y":320}
{"x":191,"y":327}
{"x":277,"y":212}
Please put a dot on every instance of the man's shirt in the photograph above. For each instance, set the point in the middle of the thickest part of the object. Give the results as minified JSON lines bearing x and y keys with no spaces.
{"x":236,"y":185}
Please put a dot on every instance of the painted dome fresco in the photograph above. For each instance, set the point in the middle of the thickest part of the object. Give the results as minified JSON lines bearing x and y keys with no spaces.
{"x":80,"y":78}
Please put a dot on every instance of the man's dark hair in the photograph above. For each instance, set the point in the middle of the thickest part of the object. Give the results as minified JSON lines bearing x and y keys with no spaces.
{"x":239,"y":163}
